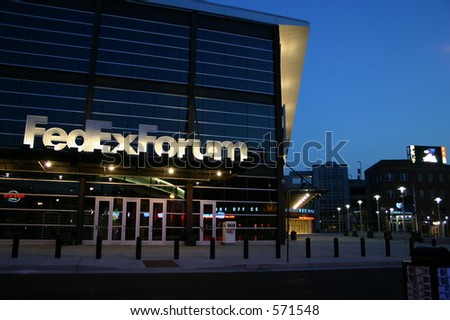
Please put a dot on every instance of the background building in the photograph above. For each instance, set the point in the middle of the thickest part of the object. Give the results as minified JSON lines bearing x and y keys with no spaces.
{"x":300,"y":197}
{"x":331,"y":189}
{"x":334,"y":178}
{"x":156,"y":119}
{"x":423,"y":184}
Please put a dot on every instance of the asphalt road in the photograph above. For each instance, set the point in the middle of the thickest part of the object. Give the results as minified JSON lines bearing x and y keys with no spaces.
{"x":373,"y":284}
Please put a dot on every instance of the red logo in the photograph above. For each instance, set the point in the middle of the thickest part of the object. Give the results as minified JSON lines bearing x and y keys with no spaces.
{"x":13,"y":196}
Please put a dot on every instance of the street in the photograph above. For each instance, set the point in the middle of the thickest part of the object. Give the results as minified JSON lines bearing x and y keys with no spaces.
{"x":348,"y":284}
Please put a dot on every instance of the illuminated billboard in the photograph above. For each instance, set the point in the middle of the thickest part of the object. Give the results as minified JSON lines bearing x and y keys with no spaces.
{"x":427,"y":154}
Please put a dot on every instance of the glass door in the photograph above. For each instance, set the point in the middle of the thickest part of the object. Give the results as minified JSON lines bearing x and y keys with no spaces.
{"x":119,"y":220}
{"x":103,"y":211}
{"x":130,"y":219}
{"x":144,"y":220}
{"x":158,"y":220}
{"x":210,"y":226}
{"x":116,"y":221}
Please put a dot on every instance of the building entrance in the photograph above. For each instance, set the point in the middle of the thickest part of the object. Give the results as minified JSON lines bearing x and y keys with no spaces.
{"x":116,"y":219}
{"x":122,"y":220}
{"x":211,"y":221}
{"x":156,"y":221}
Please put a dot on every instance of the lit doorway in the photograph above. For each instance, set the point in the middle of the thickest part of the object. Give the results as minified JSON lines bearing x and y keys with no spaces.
{"x":116,"y":219}
{"x":158,"y":221}
{"x":210,"y":221}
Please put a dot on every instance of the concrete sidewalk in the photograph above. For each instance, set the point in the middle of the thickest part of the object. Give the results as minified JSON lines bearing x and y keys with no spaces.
{"x":40,"y":258}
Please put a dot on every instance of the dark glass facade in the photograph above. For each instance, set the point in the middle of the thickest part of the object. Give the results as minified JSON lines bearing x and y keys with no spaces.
{"x":181,"y":74}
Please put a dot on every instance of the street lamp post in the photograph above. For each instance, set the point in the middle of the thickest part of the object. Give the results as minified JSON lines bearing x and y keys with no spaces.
{"x":377,"y":198}
{"x":402,"y":192}
{"x":348,"y":219}
{"x":288,"y":223}
{"x":445,"y":226}
{"x":339,"y":219}
{"x":391,"y":210}
{"x":438,"y":201}
{"x":360,"y":217}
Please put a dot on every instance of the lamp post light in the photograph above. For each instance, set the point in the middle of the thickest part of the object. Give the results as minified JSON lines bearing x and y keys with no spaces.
{"x":360,"y":217}
{"x":377,"y":198}
{"x":339,"y":219}
{"x":445,"y":226}
{"x":402,"y":192}
{"x":288,"y":223}
{"x":348,"y":219}
{"x":438,"y":201}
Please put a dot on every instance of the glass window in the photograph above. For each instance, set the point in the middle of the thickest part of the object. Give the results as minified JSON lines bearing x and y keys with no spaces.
{"x":234,"y":61}
{"x":143,"y":49}
{"x":63,"y":104}
{"x":235,"y":120}
{"x":390,"y":193}
{"x":45,"y":37}
{"x":127,"y":109}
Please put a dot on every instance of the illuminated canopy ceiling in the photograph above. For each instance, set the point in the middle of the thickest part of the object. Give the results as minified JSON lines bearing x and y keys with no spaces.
{"x":293,"y":48}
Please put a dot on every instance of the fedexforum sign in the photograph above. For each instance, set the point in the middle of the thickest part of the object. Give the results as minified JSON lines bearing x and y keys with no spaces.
{"x":94,"y":138}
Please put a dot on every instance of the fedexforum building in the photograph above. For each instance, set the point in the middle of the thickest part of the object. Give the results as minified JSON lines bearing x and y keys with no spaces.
{"x":157,"y":119}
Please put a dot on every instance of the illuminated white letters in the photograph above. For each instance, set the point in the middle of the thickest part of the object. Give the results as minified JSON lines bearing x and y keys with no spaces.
{"x":59,"y":139}
{"x":93,"y":138}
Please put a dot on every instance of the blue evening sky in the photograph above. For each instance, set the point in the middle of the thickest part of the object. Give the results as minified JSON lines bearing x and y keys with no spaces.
{"x":377,"y":73}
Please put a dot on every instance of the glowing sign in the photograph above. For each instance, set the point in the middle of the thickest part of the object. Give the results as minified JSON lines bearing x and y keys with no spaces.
{"x":219,"y":215}
{"x":427,"y":154}
{"x":13,"y":196}
{"x":94,"y":138}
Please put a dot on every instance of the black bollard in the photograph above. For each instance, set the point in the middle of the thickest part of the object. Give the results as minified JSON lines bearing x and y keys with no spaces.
{"x":58,"y":245}
{"x":277,"y":249}
{"x":176,"y":249}
{"x":433,"y":242}
{"x":308,"y":247}
{"x":212,"y":248}
{"x":98,"y":248}
{"x":388,"y":247}
{"x":336,"y":247}
{"x":138,"y":248}
{"x":363,"y":247}
{"x":411,"y":246}
{"x":15,"y":246}
{"x":245,"y":248}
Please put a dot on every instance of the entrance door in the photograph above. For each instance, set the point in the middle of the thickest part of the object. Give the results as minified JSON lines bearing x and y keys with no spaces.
{"x":103,"y":211}
{"x":116,"y":219}
{"x":211,"y":226}
{"x":130,"y":219}
{"x":119,"y":220}
{"x":158,"y":220}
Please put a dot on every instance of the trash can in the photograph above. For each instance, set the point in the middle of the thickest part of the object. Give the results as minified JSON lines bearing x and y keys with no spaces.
{"x":229,"y":232}
{"x":293,"y":236}
{"x":427,"y":275}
